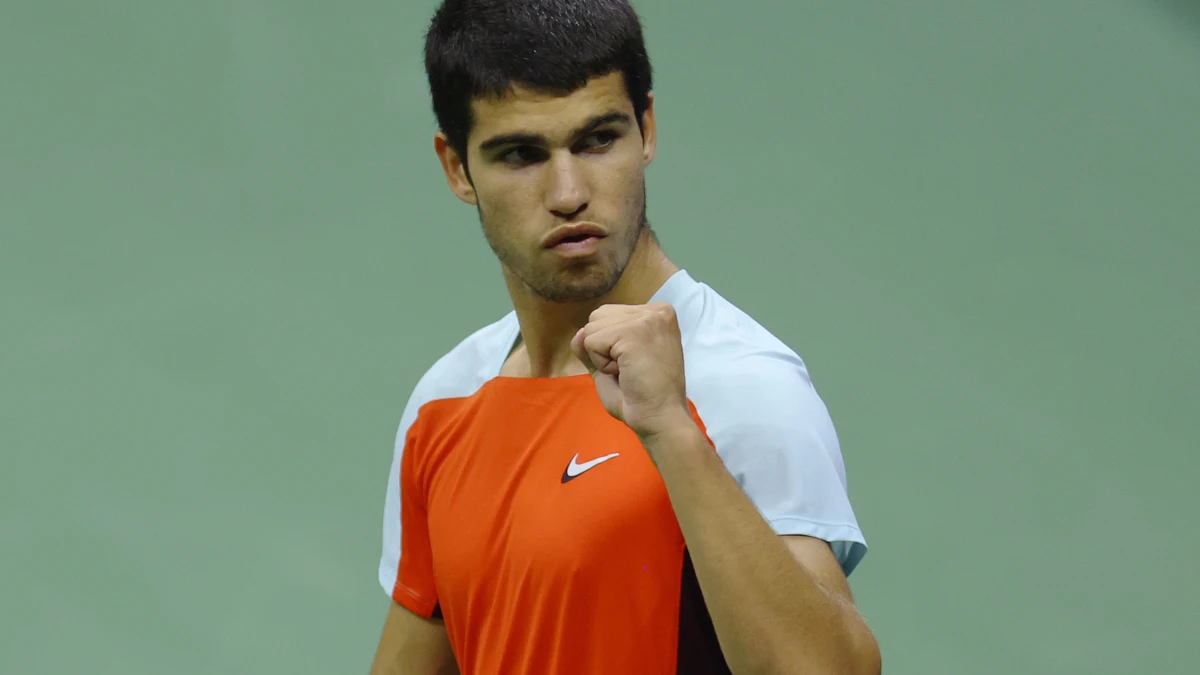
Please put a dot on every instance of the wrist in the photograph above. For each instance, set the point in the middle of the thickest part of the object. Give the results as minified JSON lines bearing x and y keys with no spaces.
{"x":670,"y":431}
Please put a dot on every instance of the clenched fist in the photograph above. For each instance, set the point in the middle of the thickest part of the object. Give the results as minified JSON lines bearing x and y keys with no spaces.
{"x":635,"y":356}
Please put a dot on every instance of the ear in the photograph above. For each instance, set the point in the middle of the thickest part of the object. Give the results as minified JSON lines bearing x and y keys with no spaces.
{"x":455,"y":169}
{"x":649,"y":132}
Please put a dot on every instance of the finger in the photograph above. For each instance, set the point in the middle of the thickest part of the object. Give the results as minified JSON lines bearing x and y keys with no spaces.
{"x":591,"y":351}
{"x":598,"y":345}
{"x":580,"y":351}
{"x":609,"y":311}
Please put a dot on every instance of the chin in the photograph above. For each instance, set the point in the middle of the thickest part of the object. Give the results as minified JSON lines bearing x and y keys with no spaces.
{"x":579,"y":289}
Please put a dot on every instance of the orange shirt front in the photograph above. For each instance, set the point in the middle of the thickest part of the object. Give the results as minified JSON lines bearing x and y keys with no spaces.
{"x":536,"y":523}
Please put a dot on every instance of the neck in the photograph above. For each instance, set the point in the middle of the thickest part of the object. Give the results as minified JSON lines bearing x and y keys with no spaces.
{"x":547,"y":327}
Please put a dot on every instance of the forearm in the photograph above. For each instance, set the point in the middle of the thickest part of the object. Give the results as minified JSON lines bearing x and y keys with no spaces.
{"x":770,"y":614}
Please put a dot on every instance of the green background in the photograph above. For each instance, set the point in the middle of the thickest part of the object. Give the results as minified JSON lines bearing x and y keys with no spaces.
{"x":227,"y":253}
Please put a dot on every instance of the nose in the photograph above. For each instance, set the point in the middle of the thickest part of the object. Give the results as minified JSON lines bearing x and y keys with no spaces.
{"x":567,"y":191}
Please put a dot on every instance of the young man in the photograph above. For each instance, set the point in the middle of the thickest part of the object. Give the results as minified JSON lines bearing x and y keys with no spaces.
{"x":625,"y":474}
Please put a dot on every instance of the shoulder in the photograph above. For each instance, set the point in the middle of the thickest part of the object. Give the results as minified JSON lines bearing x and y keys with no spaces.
{"x":747,"y":384}
{"x":464,"y":368}
{"x":736,"y":368}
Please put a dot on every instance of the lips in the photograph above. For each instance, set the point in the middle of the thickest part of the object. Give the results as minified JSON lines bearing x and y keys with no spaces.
{"x":573,"y":233}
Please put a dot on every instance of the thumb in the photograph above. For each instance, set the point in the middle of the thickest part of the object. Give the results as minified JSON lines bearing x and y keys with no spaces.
{"x":580,"y":351}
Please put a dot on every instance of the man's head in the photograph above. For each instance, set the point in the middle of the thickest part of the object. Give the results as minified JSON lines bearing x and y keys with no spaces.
{"x":546,"y":124}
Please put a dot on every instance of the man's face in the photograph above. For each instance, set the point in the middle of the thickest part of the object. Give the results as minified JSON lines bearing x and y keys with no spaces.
{"x":543,"y":166}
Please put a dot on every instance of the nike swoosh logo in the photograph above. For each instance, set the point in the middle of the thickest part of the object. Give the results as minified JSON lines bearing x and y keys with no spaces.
{"x":574,"y":468}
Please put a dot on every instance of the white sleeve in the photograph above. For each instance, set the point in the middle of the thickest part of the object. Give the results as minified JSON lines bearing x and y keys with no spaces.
{"x":775,"y":435}
{"x":389,"y":560}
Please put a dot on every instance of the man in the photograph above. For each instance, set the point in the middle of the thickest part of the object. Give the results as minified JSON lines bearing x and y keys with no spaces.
{"x":625,"y":474}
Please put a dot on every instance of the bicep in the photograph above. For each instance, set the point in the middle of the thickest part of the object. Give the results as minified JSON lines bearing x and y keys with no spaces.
{"x":413,"y":645}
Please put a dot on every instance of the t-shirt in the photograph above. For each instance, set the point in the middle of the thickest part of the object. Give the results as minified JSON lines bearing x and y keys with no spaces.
{"x":536,"y":526}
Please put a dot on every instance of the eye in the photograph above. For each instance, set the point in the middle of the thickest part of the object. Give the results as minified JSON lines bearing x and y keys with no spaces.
{"x":601,"y":140}
{"x":521,"y":155}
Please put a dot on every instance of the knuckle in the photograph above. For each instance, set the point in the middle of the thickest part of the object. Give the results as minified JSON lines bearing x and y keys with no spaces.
{"x":600,"y":312}
{"x":662,"y":312}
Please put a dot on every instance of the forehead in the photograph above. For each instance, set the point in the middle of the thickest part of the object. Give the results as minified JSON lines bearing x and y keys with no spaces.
{"x":555,"y":116}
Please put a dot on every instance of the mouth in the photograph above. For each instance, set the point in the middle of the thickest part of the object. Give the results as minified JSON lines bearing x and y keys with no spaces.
{"x":570,"y":237}
{"x":574,"y":239}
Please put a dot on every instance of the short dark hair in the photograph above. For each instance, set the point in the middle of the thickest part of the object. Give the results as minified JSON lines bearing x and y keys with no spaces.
{"x":480,"y":48}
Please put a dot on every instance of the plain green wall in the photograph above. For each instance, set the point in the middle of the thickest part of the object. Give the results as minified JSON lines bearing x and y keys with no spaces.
{"x":227,"y":253}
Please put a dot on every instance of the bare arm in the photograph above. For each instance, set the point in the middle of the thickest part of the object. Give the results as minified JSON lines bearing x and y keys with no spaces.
{"x":413,"y":645}
{"x":778,"y":604}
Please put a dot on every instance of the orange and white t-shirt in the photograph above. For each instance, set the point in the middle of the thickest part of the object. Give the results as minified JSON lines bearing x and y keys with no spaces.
{"x":535,"y":525}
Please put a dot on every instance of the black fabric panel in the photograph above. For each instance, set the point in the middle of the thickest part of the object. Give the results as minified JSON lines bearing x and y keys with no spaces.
{"x":699,"y":651}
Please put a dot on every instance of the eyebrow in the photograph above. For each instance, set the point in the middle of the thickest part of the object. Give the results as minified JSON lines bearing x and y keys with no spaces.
{"x":533,"y":139}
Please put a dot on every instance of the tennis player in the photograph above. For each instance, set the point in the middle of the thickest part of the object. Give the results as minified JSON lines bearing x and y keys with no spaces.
{"x":626,"y":474}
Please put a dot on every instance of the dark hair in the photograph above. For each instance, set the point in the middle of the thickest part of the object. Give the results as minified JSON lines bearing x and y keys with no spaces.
{"x":479,"y":48}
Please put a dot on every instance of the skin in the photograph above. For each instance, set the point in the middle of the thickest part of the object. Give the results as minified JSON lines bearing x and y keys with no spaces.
{"x":778,"y":604}
{"x":567,"y":172}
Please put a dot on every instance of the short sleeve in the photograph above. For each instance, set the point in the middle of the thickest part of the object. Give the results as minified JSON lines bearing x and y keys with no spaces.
{"x":406,"y":562}
{"x":775,"y":436}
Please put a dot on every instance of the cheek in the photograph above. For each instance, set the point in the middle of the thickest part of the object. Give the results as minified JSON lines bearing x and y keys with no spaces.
{"x":630,"y":170}
{"x":510,"y":209}
{"x":513,"y":190}
{"x":616,"y":180}
{"x":499,"y":200}
{"x":632,"y":185}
